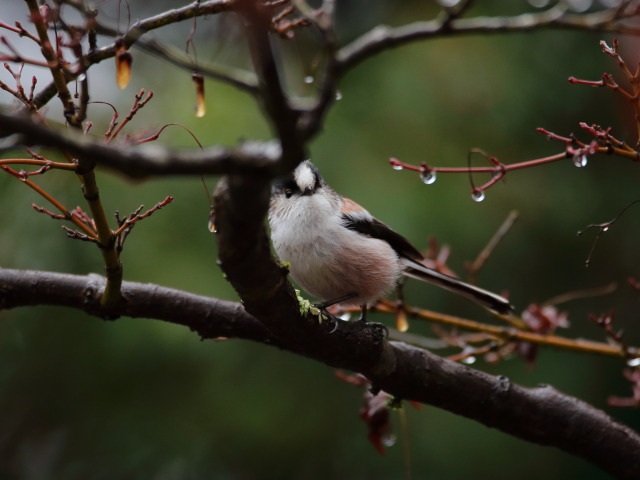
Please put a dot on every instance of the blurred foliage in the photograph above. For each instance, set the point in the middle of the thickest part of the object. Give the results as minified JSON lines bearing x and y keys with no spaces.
{"x":83,"y":398}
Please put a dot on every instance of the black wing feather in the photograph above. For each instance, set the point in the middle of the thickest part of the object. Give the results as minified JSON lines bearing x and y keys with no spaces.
{"x":374,"y":228}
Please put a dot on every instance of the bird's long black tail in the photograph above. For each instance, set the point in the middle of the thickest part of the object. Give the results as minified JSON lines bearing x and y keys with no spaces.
{"x":487,"y":299}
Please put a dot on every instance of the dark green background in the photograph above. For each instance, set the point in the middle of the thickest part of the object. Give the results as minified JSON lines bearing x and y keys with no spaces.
{"x":81,"y":398}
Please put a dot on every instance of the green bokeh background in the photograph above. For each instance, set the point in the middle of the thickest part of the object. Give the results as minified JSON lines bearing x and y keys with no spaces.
{"x":82,"y":398}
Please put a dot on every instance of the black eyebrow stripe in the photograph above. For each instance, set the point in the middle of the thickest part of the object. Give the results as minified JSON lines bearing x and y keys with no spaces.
{"x":288,"y":183}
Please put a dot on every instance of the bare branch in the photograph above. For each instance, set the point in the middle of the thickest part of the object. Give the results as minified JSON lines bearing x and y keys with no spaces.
{"x":384,"y":38}
{"x":474,"y":267}
{"x":283,"y":117}
{"x":147,"y":160}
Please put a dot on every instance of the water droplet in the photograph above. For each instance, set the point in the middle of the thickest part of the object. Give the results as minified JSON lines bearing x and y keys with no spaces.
{"x":633,"y":362}
{"x":346,"y":316}
{"x":338,"y":95}
{"x":308,"y":79}
{"x":470,"y":360}
{"x":389,"y":440}
{"x":82,"y":77}
{"x":580,"y":160}
{"x":428,"y":177}
{"x":604,"y":229}
{"x":478,"y":196}
{"x":398,"y":167}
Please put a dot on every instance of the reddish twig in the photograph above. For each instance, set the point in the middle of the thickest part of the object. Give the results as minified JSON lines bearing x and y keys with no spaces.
{"x":55,"y":216}
{"x":157,"y":135}
{"x":137,"y":105}
{"x":114,"y":119}
{"x":576,"y":150}
{"x":17,"y":57}
{"x":633,"y":375}
{"x":84,"y":217}
{"x":67,"y":214}
{"x":608,"y":81}
{"x":19,"y":91}
{"x":78,"y":235}
{"x":606,"y":322}
{"x":633,"y":283}
{"x":20,"y":30}
{"x":127,"y":224}
{"x":498,"y":170}
{"x":283,"y":26}
{"x":75,"y":213}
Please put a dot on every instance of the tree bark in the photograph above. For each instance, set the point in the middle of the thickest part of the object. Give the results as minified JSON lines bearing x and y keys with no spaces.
{"x":541,"y":415}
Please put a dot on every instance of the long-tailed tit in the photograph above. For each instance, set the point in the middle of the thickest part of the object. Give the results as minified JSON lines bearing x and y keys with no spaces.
{"x":339,"y":253}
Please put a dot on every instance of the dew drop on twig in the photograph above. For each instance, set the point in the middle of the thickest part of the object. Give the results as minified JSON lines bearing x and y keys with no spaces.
{"x":389,"y":440}
{"x":580,"y":160}
{"x":478,"y":196}
{"x":633,"y":362}
{"x":470,"y":360}
{"x":428,"y":177}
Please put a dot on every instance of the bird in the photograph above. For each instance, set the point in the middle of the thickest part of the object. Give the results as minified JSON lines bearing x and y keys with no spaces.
{"x":341,"y":254}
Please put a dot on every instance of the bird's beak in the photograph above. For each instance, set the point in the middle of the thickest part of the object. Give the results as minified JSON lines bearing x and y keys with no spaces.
{"x":307,"y":191}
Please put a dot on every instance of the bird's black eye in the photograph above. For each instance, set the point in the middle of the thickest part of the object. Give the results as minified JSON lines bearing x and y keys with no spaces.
{"x":288,"y":187}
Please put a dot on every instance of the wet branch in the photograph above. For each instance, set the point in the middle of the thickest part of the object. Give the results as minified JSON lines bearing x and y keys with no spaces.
{"x":145,"y":161}
{"x":541,"y":415}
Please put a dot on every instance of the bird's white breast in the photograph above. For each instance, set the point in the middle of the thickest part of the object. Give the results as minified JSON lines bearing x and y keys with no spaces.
{"x":327,"y":259}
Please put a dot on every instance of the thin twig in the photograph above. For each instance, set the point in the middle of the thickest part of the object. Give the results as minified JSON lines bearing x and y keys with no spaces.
{"x":581,"y":294}
{"x":509,"y":333}
{"x":68,"y":215}
{"x":474,"y":268}
{"x":603,"y":227}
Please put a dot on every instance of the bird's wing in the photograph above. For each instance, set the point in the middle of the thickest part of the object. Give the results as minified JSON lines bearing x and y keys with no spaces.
{"x":358,"y":219}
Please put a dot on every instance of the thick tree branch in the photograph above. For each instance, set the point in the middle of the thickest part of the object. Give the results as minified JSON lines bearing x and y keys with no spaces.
{"x":541,"y":415}
{"x":208,"y":317}
{"x":241,"y":202}
{"x":146,"y":160}
{"x":383,"y":37}
{"x":283,"y":117}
